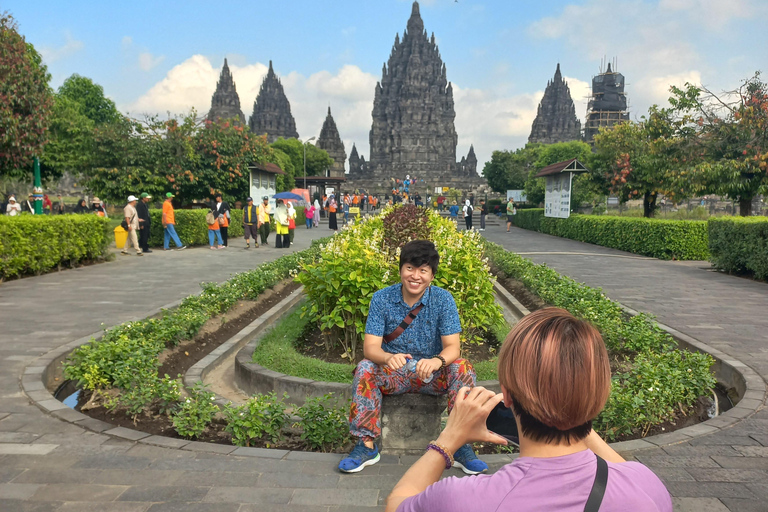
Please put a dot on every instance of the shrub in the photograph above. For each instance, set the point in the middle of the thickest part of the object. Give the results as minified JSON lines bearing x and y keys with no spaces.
{"x":528,"y":219}
{"x":739,"y":245}
{"x":191,"y":226}
{"x":324,"y":425}
{"x":658,"y":378}
{"x":34,"y":244}
{"x":262,"y":416}
{"x":195,"y":413}
{"x":403,"y":224}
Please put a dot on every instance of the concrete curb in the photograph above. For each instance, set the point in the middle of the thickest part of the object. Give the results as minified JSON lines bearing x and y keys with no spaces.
{"x":38,"y":377}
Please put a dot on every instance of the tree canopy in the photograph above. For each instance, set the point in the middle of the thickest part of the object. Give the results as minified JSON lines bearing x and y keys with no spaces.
{"x":25,"y":109}
{"x":95,"y":106}
{"x":508,"y":170}
{"x":318,"y":160}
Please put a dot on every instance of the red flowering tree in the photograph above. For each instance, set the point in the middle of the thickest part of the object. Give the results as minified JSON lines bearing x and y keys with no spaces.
{"x":25,"y":101}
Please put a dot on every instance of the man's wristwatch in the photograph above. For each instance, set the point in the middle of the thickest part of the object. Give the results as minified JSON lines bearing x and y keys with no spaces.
{"x":442,"y":361}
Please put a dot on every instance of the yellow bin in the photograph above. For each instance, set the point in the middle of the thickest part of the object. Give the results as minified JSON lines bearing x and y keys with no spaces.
{"x":121,"y":236}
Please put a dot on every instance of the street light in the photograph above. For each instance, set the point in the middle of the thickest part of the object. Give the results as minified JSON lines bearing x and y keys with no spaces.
{"x":305,"y":160}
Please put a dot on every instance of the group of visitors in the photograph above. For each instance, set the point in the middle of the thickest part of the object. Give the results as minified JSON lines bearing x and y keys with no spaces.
{"x":563,"y":464}
{"x":13,"y":207}
{"x":137,"y":222}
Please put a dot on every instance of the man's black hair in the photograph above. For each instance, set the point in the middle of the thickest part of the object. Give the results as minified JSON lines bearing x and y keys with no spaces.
{"x":217,"y":194}
{"x":418,"y":253}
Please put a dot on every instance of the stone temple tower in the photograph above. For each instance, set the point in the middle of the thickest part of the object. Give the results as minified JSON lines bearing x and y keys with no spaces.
{"x":271,"y":110}
{"x":330,"y":141}
{"x":225,"y":103}
{"x":413,"y":111}
{"x":556,"y":119}
{"x":608,"y":105}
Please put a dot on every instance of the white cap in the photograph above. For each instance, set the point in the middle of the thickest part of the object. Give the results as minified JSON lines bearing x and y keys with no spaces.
{"x":132,"y":198}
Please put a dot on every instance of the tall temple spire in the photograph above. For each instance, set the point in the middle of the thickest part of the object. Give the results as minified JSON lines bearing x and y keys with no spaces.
{"x":225,"y":103}
{"x":608,"y":104}
{"x":272,"y":111}
{"x":330,"y":141}
{"x":556,"y":119}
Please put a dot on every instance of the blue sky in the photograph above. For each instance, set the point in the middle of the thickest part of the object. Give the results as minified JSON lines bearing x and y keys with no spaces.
{"x":155,"y":57}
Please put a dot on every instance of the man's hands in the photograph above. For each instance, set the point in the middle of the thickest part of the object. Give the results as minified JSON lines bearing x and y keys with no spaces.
{"x":426,"y":367}
{"x":397,"y":361}
{"x":466,"y":423}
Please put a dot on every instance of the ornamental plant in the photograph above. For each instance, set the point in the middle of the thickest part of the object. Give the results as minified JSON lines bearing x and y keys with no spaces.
{"x":261,"y":417}
{"x":324,"y":425}
{"x":195,"y":413}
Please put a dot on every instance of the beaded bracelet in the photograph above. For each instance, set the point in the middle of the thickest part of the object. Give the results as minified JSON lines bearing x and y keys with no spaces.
{"x":442,"y":450}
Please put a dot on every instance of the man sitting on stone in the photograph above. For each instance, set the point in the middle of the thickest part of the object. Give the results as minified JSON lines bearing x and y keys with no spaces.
{"x":431,"y":337}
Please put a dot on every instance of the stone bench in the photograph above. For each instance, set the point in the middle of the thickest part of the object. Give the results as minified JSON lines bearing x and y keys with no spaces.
{"x":409,"y":422}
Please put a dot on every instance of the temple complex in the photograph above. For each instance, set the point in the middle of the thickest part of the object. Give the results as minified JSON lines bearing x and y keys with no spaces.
{"x":331,"y":142}
{"x":556,"y":119}
{"x":413,"y":131}
{"x":608,"y":105}
{"x":271,"y":110}
{"x":225,"y":103}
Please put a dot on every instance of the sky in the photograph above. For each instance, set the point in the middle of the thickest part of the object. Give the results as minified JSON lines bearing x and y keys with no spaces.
{"x":165,"y":57}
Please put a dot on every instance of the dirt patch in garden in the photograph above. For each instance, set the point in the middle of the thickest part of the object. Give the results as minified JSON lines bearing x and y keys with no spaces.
{"x":526,"y":297}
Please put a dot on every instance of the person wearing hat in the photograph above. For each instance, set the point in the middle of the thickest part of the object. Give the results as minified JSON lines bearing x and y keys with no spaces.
{"x":98,"y":207}
{"x":250,"y":223}
{"x":144,"y":221}
{"x":169,"y":225}
{"x":132,"y":219}
{"x":29,"y":204}
{"x":264,"y":220}
{"x":13,"y":208}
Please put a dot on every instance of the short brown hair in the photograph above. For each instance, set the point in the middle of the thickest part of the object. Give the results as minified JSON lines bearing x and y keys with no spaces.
{"x":556,"y":368}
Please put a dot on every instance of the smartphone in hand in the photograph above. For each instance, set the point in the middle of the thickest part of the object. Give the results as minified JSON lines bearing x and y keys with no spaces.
{"x":501,"y":421}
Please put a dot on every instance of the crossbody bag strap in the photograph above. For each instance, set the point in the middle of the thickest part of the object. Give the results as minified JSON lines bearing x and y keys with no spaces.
{"x":404,"y":324}
{"x":598,"y":488}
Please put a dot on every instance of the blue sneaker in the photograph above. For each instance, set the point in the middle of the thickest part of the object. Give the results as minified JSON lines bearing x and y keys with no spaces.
{"x":360,"y":457}
{"x":466,"y":460}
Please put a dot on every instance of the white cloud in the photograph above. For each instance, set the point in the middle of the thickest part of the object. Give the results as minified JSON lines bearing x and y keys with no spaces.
{"x":70,"y":47}
{"x":147,"y":61}
{"x":126,"y":42}
{"x":712,"y":14}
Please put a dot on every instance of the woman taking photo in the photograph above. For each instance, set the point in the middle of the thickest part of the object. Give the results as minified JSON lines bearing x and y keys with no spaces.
{"x":555,"y":376}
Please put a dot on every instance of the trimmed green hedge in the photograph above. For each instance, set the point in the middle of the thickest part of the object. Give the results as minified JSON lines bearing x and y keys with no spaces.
{"x":34,"y":244}
{"x":193,"y":230}
{"x":663,"y":239}
{"x":739,"y":245}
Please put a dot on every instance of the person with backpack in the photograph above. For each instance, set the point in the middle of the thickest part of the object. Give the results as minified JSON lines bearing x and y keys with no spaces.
{"x":468,"y":210}
{"x":214,"y":229}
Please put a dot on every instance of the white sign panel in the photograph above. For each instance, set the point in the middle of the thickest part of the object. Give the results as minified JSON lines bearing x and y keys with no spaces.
{"x":557,"y":198}
{"x":517,"y":196}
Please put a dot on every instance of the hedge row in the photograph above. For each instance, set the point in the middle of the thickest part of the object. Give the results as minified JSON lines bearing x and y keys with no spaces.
{"x":663,"y":239}
{"x":34,"y":244}
{"x":739,"y":245}
{"x":193,"y":230}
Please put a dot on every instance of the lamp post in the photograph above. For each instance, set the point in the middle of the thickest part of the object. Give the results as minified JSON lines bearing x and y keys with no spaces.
{"x":305,"y":160}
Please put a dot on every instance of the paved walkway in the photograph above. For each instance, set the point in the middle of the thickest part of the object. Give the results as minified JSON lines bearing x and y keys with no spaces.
{"x":47,"y":464}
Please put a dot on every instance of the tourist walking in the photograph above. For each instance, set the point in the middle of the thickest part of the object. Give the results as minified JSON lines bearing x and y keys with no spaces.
{"x":316,"y":216}
{"x":13,"y":208}
{"x":214,"y":229}
{"x":454,"y":212}
{"x":132,"y":221}
{"x":291,"y":219}
{"x":555,"y":376}
{"x":144,"y":221}
{"x":282,"y":236}
{"x":332,"y":207}
{"x":251,"y":223}
{"x":169,"y":225}
{"x":511,"y":211}
{"x":483,"y":214}
{"x":468,"y":210}
{"x":309,"y":214}
{"x":223,"y":215}
{"x":263,"y":216}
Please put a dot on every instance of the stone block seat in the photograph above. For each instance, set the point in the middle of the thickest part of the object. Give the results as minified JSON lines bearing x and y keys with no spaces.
{"x":409,"y":422}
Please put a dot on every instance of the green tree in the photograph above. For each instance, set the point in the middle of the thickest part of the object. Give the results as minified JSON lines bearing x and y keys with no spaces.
{"x":285,"y":182}
{"x":732,"y":140}
{"x":508,"y":170}
{"x":318,"y":160}
{"x":544,"y":155}
{"x":95,"y":106}
{"x":26,"y":101}
{"x":70,"y":146}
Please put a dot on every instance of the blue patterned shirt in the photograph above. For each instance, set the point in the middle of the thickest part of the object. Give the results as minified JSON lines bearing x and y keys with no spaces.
{"x":439,"y":317}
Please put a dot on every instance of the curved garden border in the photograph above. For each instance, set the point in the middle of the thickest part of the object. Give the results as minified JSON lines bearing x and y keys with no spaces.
{"x":39,"y":377}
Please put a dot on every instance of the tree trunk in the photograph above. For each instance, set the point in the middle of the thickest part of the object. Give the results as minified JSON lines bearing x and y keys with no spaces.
{"x":649,"y":204}
{"x":745,"y":206}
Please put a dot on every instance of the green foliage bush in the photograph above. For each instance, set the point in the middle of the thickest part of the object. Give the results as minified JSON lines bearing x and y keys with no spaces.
{"x":34,"y":244}
{"x":261,"y":417}
{"x":195,"y":413}
{"x":324,"y":425}
{"x":663,"y":239}
{"x":659,"y":379}
{"x":739,"y":245}
{"x":357,"y":262}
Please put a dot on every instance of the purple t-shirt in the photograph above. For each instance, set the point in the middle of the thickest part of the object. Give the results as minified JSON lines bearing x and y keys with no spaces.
{"x":559,"y":483}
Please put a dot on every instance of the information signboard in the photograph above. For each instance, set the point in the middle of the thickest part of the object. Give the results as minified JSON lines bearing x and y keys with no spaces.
{"x":517,"y":196}
{"x":557,"y":198}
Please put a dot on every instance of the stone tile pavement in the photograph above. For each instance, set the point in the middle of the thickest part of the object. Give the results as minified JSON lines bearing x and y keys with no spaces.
{"x":51,"y":465}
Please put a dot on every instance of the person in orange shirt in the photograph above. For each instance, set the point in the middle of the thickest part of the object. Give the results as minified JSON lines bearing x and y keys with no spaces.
{"x":332,"y":207}
{"x":169,"y":225}
{"x":221,"y":211}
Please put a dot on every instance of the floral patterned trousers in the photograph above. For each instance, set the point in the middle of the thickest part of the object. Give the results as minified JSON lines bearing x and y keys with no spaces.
{"x":372,"y":381}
